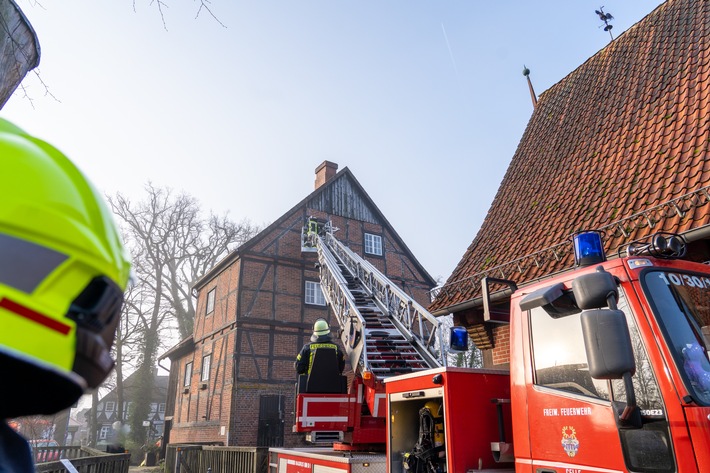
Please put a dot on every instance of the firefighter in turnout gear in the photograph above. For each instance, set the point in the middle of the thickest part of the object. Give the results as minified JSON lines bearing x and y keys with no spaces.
{"x":63,"y":270}
{"x":321,"y":339}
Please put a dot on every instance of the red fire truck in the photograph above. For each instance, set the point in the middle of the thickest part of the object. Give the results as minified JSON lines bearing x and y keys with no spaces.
{"x":609,"y":371}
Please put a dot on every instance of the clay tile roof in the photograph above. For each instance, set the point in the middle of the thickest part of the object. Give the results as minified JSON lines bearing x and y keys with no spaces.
{"x":620,"y":144}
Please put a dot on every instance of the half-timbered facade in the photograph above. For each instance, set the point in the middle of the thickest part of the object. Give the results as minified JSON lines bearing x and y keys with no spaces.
{"x":233,"y":380}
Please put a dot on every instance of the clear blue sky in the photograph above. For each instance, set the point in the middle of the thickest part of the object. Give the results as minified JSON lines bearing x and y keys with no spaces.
{"x":423,"y":100}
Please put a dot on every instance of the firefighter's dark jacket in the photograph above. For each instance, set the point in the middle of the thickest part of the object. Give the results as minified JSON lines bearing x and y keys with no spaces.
{"x":304,"y":360}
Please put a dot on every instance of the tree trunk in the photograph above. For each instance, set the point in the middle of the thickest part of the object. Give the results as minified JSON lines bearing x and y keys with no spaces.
{"x":93,"y":421}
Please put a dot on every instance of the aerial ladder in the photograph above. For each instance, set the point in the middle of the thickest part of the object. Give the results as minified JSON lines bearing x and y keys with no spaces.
{"x":384,"y":332}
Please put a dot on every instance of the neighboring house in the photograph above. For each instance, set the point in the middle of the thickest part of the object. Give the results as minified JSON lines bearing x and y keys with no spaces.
{"x":81,"y":418}
{"x":107,"y":411}
{"x":621,"y":144}
{"x":233,"y":380}
{"x":75,"y":428}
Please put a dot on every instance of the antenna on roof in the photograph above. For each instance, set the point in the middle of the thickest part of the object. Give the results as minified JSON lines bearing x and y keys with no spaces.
{"x":526,"y":73}
{"x":606,"y":18}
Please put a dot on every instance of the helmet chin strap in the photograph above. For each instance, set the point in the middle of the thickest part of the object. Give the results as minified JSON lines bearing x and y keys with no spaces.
{"x":93,"y":360}
{"x":97,"y":311}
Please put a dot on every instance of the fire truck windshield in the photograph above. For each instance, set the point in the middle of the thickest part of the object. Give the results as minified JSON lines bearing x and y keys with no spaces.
{"x":681,"y":301}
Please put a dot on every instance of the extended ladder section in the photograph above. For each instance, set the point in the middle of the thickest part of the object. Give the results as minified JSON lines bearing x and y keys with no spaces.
{"x":385,"y":332}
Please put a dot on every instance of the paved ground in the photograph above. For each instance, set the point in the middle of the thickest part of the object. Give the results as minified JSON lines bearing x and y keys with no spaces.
{"x":145,"y":469}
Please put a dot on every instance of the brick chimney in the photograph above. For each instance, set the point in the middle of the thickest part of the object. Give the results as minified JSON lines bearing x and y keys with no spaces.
{"x":325,"y":172}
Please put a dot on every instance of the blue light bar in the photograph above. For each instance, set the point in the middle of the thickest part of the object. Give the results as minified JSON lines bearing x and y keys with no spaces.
{"x":458,"y":339}
{"x":588,"y":248}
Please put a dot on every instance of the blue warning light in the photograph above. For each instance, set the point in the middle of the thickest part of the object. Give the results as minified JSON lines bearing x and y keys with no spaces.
{"x":588,"y":248}
{"x":458,"y":339}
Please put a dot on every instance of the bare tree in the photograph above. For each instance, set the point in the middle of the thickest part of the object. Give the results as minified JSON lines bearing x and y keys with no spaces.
{"x":37,"y":427}
{"x":171,"y":246}
{"x":93,"y":421}
{"x":204,"y":6}
{"x":128,"y":335}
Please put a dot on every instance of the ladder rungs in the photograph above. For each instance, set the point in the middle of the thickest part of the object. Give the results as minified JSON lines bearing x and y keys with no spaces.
{"x":405,"y":369}
{"x":395,"y":361}
{"x":387,"y":351}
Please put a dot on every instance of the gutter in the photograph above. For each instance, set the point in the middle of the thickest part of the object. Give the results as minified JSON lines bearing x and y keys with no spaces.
{"x":474,"y":303}
{"x":695,"y":234}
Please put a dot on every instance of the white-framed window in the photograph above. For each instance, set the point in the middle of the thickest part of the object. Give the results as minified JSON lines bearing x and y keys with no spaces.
{"x":103,"y":433}
{"x":161,"y":407}
{"x":210,"y":300}
{"x":373,"y":244}
{"x":206,"y":362}
{"x":110,"y":406}
{"x":127,"y":407}
{"x":314,"y":294}
{"x":188,"y":374}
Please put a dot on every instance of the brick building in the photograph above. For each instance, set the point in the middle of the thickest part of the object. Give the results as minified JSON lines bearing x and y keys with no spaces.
{"x":232,"y":381}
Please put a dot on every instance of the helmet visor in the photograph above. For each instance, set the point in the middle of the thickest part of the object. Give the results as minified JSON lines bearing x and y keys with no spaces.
{"x":24,"y":264}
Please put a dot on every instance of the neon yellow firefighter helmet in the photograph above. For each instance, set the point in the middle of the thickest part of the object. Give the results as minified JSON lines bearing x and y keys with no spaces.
{"x":63,"y":270}
{"x":320,"y":328}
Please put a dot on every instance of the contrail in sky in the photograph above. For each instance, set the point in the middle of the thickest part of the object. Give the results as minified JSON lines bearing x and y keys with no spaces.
{"x":451,"y":54}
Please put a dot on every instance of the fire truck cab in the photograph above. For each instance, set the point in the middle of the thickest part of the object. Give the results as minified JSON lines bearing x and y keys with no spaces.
{"x":609,"y":371}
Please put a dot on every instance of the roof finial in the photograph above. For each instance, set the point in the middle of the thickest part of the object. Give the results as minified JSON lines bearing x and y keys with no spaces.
{"x":606,"y":18}
{"x":526,"y":73}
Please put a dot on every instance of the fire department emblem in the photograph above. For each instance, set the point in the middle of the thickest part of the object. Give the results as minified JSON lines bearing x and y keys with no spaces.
{"x":569,"y":440}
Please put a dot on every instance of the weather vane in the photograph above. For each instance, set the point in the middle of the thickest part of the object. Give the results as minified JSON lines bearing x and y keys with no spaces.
{"x":606,"y":18}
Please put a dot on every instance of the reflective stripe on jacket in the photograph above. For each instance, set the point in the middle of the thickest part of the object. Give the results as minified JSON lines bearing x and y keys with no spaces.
{"x":304,"y":360}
